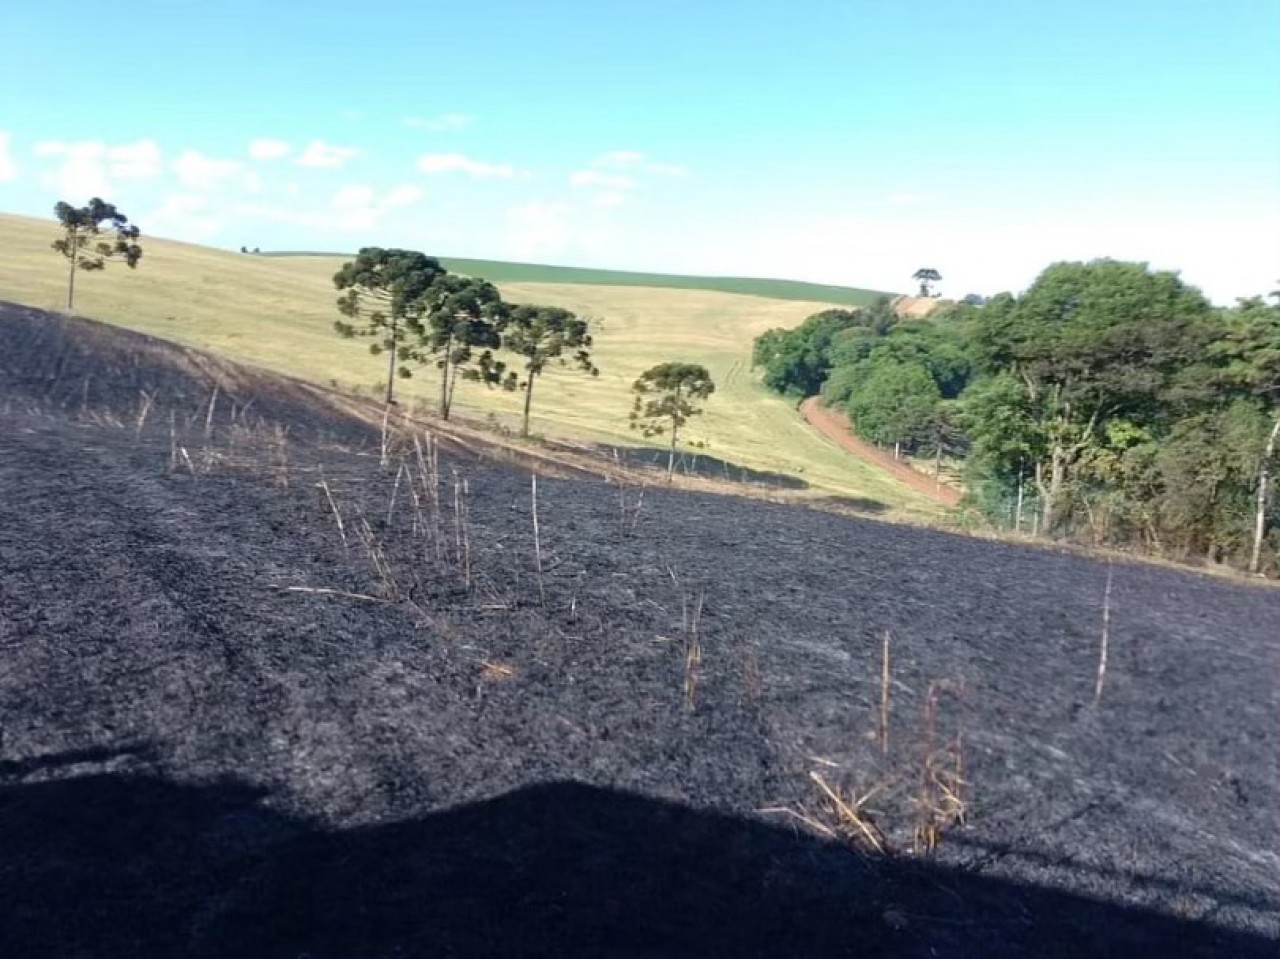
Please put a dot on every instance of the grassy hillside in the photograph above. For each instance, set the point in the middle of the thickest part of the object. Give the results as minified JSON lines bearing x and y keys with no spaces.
{"x":278,"y":312}
{"x":496,"y":271}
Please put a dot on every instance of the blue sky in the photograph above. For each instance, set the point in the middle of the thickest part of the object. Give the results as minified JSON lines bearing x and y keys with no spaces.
{"x":846,"y":142}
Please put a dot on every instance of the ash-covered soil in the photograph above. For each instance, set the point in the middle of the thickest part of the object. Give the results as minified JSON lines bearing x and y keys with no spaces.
{"x":231,"y":727}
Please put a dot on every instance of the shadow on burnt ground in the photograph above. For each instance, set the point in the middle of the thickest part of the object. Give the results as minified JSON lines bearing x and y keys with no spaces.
{"x":695,"y":464}
{"x":988,"y":853}
{"x":856,"y":504}
{"x":123,"y":864}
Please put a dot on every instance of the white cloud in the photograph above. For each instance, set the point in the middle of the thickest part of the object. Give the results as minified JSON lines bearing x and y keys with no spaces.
{"x":613,"y":181}
{"x":537,"y":230}
{"x":636,"y":162}
{"x":83,"y":173}
{"x":352,"y":197}
{"x":188,"y":217}
{"x":616,"y":174}
{"x":458,"y":163}
{"x":8,"y":169}
{"x":199,"y":172}
{"x":440,"y":124}
{"x":325,"y":155}
{"x":360,"y":207}
{"x":265,"y":148}
{"x":140,"y":160}
{"x":89,"y":166}
{"x":402,"y":196}
{"x":251,"y":180}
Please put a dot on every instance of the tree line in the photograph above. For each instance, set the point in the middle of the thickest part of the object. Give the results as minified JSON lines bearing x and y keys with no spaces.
{"x":420,"y":315}
{"x":1112,"y":402}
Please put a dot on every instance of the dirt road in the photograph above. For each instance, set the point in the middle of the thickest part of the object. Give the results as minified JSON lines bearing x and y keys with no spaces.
{"x":835,"y":426}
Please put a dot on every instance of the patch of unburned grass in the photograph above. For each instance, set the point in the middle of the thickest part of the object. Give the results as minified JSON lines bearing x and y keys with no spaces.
{"x":277,"y":312}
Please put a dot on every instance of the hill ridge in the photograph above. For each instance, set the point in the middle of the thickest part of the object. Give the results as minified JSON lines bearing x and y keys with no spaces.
{"x":515,"y":271}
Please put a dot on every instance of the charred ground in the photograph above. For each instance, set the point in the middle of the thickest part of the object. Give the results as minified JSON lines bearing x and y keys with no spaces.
{"x":484,"y":740}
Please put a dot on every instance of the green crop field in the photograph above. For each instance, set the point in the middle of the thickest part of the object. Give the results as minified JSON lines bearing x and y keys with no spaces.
{"x":496,"y":271}
{"x":277,"y":312}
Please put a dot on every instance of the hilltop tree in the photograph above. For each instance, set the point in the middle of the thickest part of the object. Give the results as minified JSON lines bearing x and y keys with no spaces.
{"x":385,"y":297}
{"x":93,"y":234}
{"x":541,"y":334}
{"x":926,"y":275}
{"x":463,"y":315}
{"x":666,"y":397}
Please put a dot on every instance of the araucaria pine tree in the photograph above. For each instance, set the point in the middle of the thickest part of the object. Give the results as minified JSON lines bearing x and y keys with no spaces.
{"x":666,"y":397}
{"x":93,"y":234}
{"x":541,"y":334}
{"x":384,"y":296}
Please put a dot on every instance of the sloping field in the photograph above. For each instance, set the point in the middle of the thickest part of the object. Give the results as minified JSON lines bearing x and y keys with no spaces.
{"x":234,"y":726}
{"x":277,"y":312}
{"x":498,"y":271}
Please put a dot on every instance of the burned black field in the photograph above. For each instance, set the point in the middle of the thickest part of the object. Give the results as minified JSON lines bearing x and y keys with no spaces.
{"x":459,"y":724}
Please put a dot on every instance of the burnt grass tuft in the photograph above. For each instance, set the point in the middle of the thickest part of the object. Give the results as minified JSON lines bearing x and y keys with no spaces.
{"x":231,"y":727}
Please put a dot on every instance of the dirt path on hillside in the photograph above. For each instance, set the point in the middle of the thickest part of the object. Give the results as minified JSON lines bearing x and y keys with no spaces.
{"x":835,"y":426}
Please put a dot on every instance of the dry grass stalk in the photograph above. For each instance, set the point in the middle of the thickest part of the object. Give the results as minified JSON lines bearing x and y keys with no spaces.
{"x":173,"y":442}
{"x":809,"y":821}
{"x":281,"y":450}
{"x":628,"y":510}
{"x":885,"y":681}
{"x":940,"y":803}
{"x":378,"y":559}
{"x":1106,"y":638}
{"x":419,"y":525}
{"x":846,"y":809}
{"x":537,"y":537}
{"x":395,"y":489}
{"x":333,"y":505}
{"x":461,"y":528}
{"x":496,"y":672}
{"x":208,"y":418}
{"x":323,"y":591}
{"x":692,"y":653}
{"x":429,"y":480}
{"x":145,"y":401}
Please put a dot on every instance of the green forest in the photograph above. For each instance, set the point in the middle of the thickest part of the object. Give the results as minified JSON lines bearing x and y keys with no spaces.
{"x":1109,"y":404}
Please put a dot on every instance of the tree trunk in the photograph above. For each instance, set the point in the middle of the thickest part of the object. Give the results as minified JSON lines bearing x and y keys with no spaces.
{"x":446,"y":394}
{"x":391,"y":363}
{"x":1264,"y":491}
{"x":671,"y":455}
{"x":1052,"y":491}
{"x":528,"y":402}
{"x":71,"y":277}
